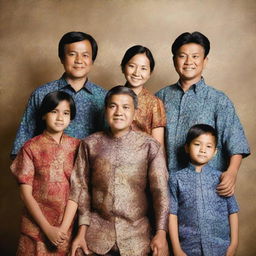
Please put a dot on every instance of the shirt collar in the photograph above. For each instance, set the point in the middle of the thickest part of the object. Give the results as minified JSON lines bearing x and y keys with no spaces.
{"x":193,"y":168}
{"x":195,"y":87}
{"x":87,"y":85}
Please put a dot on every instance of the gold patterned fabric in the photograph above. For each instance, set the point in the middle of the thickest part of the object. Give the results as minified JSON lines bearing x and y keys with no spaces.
{"x":109,"y":184}
{"x":150,"y":113}
{"x":46,"y":166}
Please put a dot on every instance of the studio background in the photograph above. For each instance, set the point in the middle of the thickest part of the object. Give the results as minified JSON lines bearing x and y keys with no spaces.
{"x":30,"y":31}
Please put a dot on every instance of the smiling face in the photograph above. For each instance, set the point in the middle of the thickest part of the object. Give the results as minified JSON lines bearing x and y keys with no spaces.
{"x":137,"y":71}
{"x":189,"y":62}
{"x":58,"y":119}
{"x":201,"y":149}
{"x":77,"y":60}
{"x":119,"y":113}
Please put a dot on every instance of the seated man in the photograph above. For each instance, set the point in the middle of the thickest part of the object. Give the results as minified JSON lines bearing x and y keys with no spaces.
{"x":77,"y":53}
{"x":112,"y":173}
{"x":191,"y":101}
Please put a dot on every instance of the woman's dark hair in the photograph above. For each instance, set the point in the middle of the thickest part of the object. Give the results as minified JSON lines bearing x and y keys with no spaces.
{"x":119,"y":89}
{"x":199,"y":129}
{"x":72,"y":37}
{"x":49,"y":103}
{"x":195,"y":37}
{"x":138,"y":49}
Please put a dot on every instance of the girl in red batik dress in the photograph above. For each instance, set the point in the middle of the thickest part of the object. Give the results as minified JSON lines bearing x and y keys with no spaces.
{"x":43,"y":168}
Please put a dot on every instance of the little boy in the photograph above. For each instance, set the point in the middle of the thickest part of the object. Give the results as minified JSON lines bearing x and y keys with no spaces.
{"x":201,"y":222}
{"x":113,"y":171}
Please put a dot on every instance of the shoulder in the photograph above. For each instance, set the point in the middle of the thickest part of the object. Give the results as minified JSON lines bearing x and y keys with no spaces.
{"x":47,"y":87}
{"x":93,"y":138}
{"x":71,"y":140}
{"x":32,"y":143}
{"x":218,"y":94}
{"x":166,"y":91}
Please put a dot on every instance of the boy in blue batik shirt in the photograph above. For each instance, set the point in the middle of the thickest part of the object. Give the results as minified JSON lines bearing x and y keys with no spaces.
{"x":201,"y":222}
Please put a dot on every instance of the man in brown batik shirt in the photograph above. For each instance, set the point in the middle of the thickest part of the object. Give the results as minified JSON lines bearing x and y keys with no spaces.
{"x":112,"y":171}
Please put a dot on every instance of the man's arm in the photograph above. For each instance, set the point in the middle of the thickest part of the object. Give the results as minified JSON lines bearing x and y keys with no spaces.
{"x":233,"y":222}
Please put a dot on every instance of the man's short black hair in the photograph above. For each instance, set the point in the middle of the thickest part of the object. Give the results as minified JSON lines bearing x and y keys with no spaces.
{"x":120,"y":89}
{"x":199,"y":129}
{"x":138,"y":49}
{"x":72,"y":37}
{"x":195,"y":37}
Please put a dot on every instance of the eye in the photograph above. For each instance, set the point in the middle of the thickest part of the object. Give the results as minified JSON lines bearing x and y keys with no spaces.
{"x":66,"y":113}
{"x":131,"y":65}
{"x":209,"y":146}
{"x":195,"y":56}
{"x":181,"y":55}
{"x":71,"y":54}
{"x":144,"y":68}
{"x":126,"y":107}
{"x":54,"y":111}
{"x":86,"y":55}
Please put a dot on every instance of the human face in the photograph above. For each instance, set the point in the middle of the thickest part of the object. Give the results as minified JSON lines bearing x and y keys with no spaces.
{"x":77,"y":60}
{"x":58,"y":119}
{"x":137,"y":70}
{"x":119,"y":114}
{"x":189,"y":62}
{"x":201,"y":149}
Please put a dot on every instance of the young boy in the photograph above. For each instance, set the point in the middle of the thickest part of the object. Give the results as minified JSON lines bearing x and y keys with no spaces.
{"x":201,"y":222}
{"x":112,"y":173}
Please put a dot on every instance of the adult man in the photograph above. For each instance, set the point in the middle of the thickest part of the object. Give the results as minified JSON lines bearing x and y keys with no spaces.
{"x":114,"y":170}
{"x":77,"y":52}
{"x":191,"y":101}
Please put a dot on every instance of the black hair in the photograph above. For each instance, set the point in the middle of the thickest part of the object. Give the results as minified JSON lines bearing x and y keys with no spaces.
{"x":72,"y":37}
{"x":120,"y":89}
{"x":199,"y":129}
{"x":138,"y":49}
{"x":49,"y":103}
{"x":195,"y":37}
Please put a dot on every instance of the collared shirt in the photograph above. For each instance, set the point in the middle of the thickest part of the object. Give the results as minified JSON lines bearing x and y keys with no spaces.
{"x":110,"y":183}
{"x":201,"y":104}
{"x":46,"y":165}
{"x":203,"y":215}
{"x":150,"y":113}
{"x":89,"y":115}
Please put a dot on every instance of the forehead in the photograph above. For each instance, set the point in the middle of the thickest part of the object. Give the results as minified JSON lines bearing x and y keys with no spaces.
{"x":81,"y":46}
{"x":121,"y":99}
{"x":140,"y":58}
{"x":191,"y":48}
{"x":64,"y":104}
{"x":206,"y":137}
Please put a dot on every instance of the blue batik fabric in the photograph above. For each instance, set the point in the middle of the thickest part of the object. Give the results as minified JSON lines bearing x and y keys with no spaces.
{"x":89,"y":115}
{"x":201,"y":104}
{"x":203,"y":215}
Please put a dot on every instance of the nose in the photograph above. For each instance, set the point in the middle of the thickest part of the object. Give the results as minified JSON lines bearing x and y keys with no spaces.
{"x":60,"y":116}
{"x":78,"y":58}
{"x":118,"y":111}
{"x":203,"y":149}
{"x":136,"y":71}
{"x":188,"y":60}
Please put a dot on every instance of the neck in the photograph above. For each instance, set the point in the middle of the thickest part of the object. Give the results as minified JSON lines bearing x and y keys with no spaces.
{"x":137,"y":90}
{"x":186,"y":84}
{"x":56,"y":136}
{"x":77,"y":84}
{"x":119,"y":134}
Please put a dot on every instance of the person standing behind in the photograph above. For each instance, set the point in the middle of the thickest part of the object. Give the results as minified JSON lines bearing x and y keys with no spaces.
{"x":201,"y":222}
{"x":191,"y":101}
{"x":77,"y":52}
{"x":137,"y":65}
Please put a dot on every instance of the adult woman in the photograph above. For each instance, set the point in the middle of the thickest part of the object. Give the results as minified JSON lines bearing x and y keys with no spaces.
{"x":137,"y":65}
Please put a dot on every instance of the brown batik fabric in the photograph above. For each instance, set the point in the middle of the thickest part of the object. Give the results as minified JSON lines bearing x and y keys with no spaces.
{"x":109,"y":183}
{"x":150,"y":113}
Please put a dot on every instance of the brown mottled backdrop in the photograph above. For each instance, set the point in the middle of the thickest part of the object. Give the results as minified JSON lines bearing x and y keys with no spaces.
{"x":30,"y":31}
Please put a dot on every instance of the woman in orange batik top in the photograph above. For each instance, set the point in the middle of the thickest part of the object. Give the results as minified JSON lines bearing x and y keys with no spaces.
{"x":137,"y":65}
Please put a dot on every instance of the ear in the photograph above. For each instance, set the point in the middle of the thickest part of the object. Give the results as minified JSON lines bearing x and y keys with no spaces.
{"x":215,"y":152}
{"x":205,"y":61}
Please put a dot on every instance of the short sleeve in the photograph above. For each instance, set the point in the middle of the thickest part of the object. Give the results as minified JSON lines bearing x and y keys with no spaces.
{"x":173,"y":186}
{"x":23,"y":167}
{"x":159,"y":116}
{"x":232,"y":205}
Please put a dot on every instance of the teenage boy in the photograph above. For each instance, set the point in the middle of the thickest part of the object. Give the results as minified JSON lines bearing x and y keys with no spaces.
{"x":77,"y":52}
{"x":191,"y":101}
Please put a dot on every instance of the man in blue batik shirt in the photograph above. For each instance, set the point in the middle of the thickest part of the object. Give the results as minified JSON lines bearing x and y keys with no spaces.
{"x":191,"y":101}
{"x":77,"y":52}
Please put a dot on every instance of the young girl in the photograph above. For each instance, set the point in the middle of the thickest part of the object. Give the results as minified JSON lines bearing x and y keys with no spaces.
{"x":43,"y":168}
{"x":201,"y":222}
{"x":137,"y":65}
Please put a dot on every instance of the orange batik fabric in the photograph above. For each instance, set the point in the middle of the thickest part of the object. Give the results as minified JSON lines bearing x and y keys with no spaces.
{"x":46,"y":166}
{"x":150,"y":113}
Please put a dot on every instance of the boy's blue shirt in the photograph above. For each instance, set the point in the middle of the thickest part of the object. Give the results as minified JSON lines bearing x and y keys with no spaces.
{"x":203,"y":215}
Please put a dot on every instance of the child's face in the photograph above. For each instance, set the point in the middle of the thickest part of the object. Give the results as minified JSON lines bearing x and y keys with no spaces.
{"x":119,"y":113}
{"x":59,"y":118}
{"x":137,"y":70}
{"x":202,"y":149}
